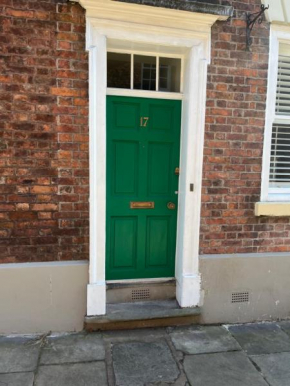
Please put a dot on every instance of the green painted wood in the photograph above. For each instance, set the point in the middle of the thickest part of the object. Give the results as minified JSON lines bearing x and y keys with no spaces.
{"x":141,"y":162}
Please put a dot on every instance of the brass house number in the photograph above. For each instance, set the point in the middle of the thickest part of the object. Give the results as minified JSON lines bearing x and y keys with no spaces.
{"x":144,"y":121}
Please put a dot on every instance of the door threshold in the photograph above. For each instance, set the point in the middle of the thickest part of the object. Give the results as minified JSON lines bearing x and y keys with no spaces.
{"x":140,"y":281}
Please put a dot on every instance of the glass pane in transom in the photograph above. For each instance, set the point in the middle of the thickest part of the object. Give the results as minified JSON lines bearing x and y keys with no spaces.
{"x":169,"y":74}
{"x":144,"y":72}
{"x":118,"y":70}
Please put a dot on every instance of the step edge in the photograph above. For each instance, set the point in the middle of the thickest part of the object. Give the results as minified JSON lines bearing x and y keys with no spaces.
{"x":195,"y":311}
{"x":141,"y":324}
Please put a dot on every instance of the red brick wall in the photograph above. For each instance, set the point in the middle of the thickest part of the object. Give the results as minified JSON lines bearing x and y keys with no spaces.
{"x":43,"y":132}
{"x":236,"y":105}
{"x":44,"y":136}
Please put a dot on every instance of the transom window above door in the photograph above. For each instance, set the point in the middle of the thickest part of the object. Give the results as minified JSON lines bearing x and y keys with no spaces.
{"x":143,"y":72}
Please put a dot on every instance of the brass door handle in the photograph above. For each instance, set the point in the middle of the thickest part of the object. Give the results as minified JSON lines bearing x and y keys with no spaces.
{"x":171,"y":205}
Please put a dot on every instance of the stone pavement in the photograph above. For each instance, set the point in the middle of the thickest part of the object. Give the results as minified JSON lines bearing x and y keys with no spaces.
{"x":237,"y":355}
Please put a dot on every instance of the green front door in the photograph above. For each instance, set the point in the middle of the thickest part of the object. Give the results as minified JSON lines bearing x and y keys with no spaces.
{"x":143,"y":137}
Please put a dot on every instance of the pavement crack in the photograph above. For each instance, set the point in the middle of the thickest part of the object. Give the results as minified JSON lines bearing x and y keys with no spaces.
{"x":257,"y":367}
{"x":41,"y":341}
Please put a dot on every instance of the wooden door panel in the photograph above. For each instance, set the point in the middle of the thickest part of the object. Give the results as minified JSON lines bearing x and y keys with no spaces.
{"x":160,"y":168}
{"x":123,"y":242}
{"x":161,"y":118}
{"x":126,"y":115}
{"x":125,"y":167}
{"x":158,"y":241}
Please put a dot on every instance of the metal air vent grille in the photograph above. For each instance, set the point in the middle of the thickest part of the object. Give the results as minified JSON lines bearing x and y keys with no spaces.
{"x":240,"y":297}
{"x":140,"y":294}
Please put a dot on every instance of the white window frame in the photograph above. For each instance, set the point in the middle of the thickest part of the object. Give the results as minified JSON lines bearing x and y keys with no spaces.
{"x":278,"y":34}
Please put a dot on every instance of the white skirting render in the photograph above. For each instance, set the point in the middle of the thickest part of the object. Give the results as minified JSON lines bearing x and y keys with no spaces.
{"x":42,"y":297}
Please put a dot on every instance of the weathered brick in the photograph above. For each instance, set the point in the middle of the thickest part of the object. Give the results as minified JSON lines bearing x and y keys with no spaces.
{"x":22,"y":206}
{"x":63,"y":91}
{"x":44,"y":207}
{"x":19,"y":13}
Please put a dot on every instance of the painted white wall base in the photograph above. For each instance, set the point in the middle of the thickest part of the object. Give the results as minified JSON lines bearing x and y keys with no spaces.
{"x":264,"y":276}
{"x":188,"y":291}
{"x":42,"y":297}
{"x":96,"y":299}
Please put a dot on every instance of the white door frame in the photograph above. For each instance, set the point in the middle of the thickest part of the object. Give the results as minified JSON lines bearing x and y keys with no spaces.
{"x":191,"y":37}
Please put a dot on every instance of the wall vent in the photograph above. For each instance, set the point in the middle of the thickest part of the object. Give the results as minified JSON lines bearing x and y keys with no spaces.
{"x":240,"y":297}
{"x":141,"y":294}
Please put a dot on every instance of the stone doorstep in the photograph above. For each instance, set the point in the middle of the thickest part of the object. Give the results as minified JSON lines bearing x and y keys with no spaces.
{"x":143,"y":314}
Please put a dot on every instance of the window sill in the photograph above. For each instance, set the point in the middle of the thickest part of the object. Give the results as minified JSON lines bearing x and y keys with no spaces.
{"x":272,"y":209}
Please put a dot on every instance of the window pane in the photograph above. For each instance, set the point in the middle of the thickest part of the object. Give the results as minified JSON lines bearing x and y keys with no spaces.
{"x":283,"y":81}
{"x":169,"y":74}
{"x":280,"y":154}
{"x":118,"y":70}
{"x":144,"y":72}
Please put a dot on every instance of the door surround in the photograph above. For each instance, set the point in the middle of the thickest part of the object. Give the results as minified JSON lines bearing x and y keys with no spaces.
{"x":112,"y":24}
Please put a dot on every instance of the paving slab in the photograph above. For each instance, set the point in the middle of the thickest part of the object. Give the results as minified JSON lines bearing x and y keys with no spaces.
{"x":285,"y":326}
{"x":275,"y":368}
{"x":73,"y":348}
{"x":263,"y":338}
{"x":222,"y":369}
{"x":18,"y":354}
{"x":77,"y":374}
{"x":146,"y":335}
{"x":200,"y":340}
{"x":139,"y":363}
{"x":16,"y":379}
